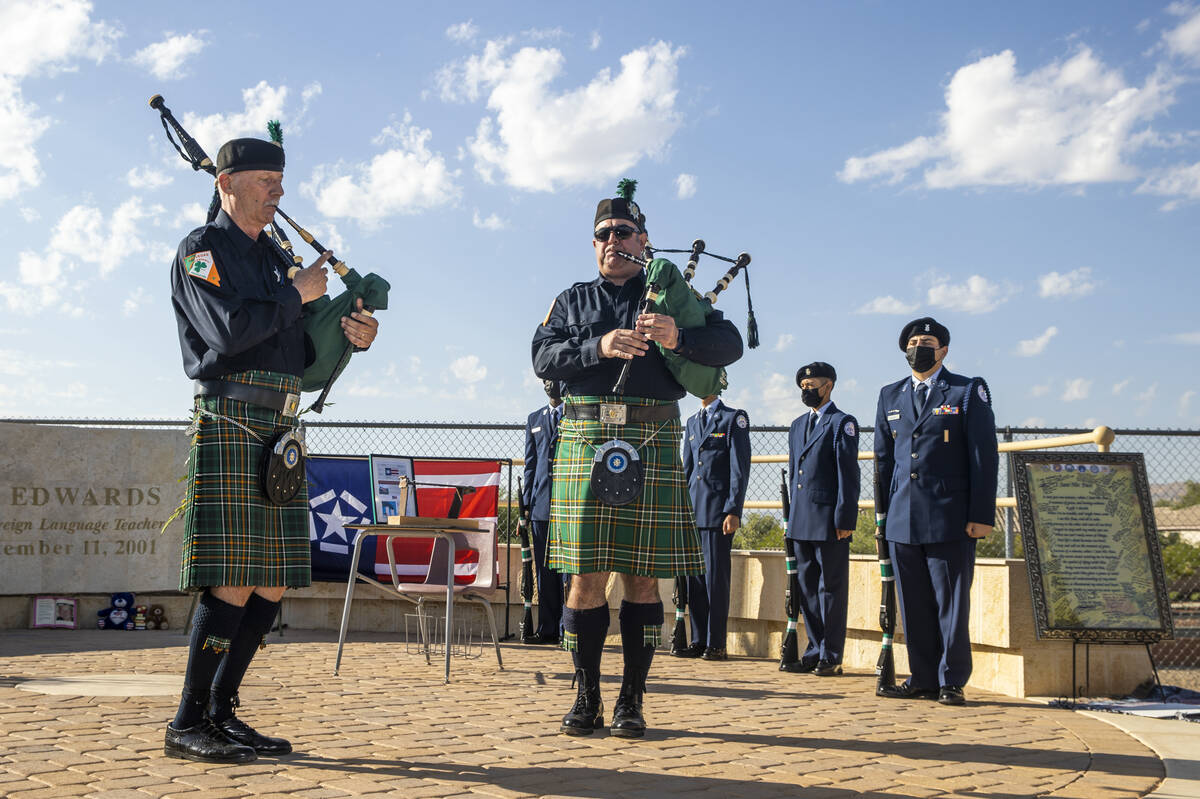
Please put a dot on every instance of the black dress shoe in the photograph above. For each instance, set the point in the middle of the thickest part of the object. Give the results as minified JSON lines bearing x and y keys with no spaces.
{"x":240,"y":732}
{"x":827,"y":668}
{"x":587,"y":714}
{"x":627,"y":719}
{"x":693,"y":651}
{"x":541,"y":638}
{"x":951,"y":695}
{"x":801,"y":666}
{"x":907,"y":691}
{"x":715,"y":653}
{"x":205,"y":743}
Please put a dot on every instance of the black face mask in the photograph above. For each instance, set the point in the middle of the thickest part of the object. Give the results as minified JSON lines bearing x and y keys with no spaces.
{"x":921,"y":359}
{"x":811,"y":397}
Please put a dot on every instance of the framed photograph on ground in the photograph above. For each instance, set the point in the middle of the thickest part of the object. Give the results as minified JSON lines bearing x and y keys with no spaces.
{"x":1091,"y":547}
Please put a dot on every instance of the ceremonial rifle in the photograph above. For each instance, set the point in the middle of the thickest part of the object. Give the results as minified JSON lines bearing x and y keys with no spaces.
{"x":789,"y":655}
{"x":526,"y":627}
{"x":885,"y":667}
{"x":679,"y":635}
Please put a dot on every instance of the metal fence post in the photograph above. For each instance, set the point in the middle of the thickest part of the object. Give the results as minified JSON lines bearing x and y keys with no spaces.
{"x":1009,"y":532}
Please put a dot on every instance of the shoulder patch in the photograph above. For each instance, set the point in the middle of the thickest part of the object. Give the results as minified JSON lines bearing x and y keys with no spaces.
{"x":850,"y":430}
{"x":742,"y":420}
{"x":983,"y":394}
{"x":201,"y":266}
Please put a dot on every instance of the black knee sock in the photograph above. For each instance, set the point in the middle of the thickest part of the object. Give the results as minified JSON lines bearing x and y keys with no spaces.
{"x":584,"y":632}
{"x":256,"y":623}
{"x":213,"y":629}
{"x":641,"y":632}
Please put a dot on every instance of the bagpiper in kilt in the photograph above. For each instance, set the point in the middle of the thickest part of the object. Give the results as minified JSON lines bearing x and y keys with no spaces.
{"x":241,"y":334}
{"x":619,"y":500}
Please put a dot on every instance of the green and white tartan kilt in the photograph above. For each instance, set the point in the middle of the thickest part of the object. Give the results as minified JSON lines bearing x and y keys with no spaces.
{"x":233,"y":534}
{"x":653,"y":536}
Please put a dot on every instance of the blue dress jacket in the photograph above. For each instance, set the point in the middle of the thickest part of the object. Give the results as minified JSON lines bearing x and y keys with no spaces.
{"x":823,"y":475}
{"x":716,"y":463}
{"x":936,"y":470}
{"x":541,"y":434}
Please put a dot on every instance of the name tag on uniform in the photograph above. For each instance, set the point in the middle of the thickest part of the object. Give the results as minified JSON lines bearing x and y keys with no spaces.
{"x":946,"y":410}
{"x":893,"y":415}
{"x":536,"y":429}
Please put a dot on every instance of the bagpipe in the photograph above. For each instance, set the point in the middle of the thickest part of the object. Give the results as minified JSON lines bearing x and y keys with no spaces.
{"x":670,"y":292}
{"x":322,"y":316}
{"x":526,"y":628}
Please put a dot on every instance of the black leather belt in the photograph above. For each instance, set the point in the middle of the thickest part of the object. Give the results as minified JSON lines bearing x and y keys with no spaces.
{"x":620,"y":413}
{"x":278,"y":401}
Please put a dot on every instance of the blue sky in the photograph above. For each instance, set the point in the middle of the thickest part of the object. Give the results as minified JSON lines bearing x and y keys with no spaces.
{"x":1028,"y":173}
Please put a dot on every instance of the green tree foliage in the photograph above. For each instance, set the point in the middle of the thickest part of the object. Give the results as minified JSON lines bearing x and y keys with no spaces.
{"x":759,"y":531}
{"x":1191,"y":495}
{"x":1181,"y":562}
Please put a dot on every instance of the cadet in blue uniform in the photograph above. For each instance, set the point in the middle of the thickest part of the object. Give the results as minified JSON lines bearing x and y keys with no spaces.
{"x":824,"y":479}
{"x":716,"y":462}
{"x":541,"y":434}
{"x":243,"y":342}
{"x":935,"y":448}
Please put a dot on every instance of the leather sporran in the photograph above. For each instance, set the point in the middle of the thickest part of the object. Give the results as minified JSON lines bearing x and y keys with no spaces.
{"x":617,"y":473}
{"x":282,"y":467}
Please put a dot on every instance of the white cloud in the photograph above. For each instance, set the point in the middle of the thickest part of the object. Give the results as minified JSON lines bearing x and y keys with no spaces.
{"x":260,"y":103}
{"x":1071,"y":122}
{"x":406,"y":179}
{"x":39,"y":38}
{"x":1187,"y":338}
{"x":30,"y":215}
{"x":83,"y":233}
{"x":594,"y":44}
{"x":785,"y":340}
{"x":190,"y":216}
{"x":887,"y":305}
{"x":1033,"y":421}
{"x":1077,"y":389}
{"x":538,"y":140}
{"x":1185,"y":401}
{"x":543,"y":34}
{"x":1148,"y":395}
{"x":976,"y":295}
{"x":778,"y":399}
{"x":468,"y":369}
{"x":1040,"y":391}
{"x":135,"y":300}
{"x":1076,"y":283}
{"x":1119,"y":386}
{"x":165,"y":59}
{"x":1183,"y":41}
{"x":147,"y":178}
{"x":463,"y":32}
{"x":685,"y":186}
{"x":490,"y":222}
{"x":1036,"y":346}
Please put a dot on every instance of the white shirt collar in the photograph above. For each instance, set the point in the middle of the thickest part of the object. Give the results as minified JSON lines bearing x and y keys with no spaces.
{"x":929,"y":381}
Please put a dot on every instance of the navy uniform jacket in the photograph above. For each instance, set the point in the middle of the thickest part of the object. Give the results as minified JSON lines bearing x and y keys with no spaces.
{"x":541,"y":434}
{"x":939,"y":469}
{"x":566,"y":346}
{"x":716,"y":463}
{"x":823,"y":475}
{"x":234,"y":305}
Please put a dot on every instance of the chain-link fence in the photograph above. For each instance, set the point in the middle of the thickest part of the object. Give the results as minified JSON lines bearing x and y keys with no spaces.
{"x":1172,"y":465}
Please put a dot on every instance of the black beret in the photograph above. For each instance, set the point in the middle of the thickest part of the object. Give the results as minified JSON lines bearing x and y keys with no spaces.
{"x":925,"y":326}
{"x":241,"y":155}
{"x":816,"y":369}
{"x":620,"y":208}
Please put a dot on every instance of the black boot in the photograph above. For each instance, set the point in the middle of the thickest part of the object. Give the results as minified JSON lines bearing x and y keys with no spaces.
{"x":627,"y":713}
{"x":587,"y":714}
{"x":221,"y":713}
{"x":202,"y":741}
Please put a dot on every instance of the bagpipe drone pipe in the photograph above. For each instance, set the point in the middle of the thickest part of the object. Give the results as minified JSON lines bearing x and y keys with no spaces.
{"x":670,"y":292}
{"x":330,"y":351}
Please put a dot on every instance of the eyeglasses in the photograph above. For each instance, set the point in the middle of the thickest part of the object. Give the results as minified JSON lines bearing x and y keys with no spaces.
{"x":622,"y":232}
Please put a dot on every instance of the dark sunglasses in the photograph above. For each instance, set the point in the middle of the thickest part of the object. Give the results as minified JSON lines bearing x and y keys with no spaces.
{"x":622,"y":232}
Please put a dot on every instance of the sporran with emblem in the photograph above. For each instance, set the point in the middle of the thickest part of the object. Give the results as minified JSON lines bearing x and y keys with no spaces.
{"x":617,"y":473}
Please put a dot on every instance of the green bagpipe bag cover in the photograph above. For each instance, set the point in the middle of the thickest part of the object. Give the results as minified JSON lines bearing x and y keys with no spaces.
{"x":323,"y":324}
{"x":679,"y":300}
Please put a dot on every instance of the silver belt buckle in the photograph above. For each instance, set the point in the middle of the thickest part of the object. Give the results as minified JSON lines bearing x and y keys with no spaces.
{"x":291,"y":405}
{"x":613,"y":413}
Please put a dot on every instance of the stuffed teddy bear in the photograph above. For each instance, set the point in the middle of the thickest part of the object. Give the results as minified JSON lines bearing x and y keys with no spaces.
{"x":118,"y":615}
{"x":157,"y":618}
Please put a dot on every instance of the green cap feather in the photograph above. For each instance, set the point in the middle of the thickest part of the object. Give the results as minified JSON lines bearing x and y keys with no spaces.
{"x":626,"y":188}
{"x":276,"y":131}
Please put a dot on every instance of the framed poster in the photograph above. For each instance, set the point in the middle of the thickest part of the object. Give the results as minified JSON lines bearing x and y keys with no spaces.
{"x":1091,"y":546}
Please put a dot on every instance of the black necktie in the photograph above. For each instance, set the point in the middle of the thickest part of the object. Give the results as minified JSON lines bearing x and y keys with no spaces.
{"x":812,"y":422}
{"x":919,"y":397}
{"x":704,"y":417}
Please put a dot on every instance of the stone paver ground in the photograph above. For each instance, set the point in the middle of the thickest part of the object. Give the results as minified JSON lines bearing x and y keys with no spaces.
{"x":388,"y":726}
